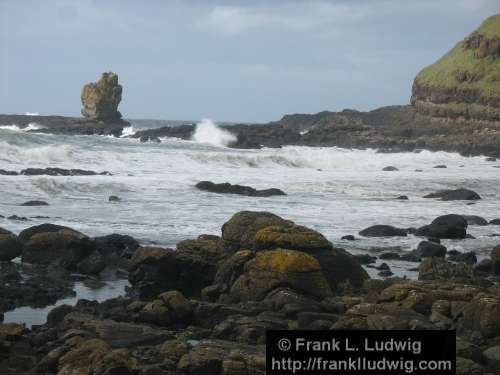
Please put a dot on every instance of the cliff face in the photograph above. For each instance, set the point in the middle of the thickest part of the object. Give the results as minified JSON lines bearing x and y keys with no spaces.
{"x":464,"y":83}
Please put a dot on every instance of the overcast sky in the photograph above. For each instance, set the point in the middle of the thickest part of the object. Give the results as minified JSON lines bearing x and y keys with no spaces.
{"x":225,"y":60}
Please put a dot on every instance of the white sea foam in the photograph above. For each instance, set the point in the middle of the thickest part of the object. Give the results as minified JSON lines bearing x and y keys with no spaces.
{"x":208,"y":132}
{"x":128,"y":131}
{"x":32,"y":114}
{"x":333,"y":190}
{"x":16,"y":128}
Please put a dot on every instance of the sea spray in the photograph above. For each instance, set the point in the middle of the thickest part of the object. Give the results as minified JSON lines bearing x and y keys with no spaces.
{"x":128,"y":131}
{"x":208,"y":132}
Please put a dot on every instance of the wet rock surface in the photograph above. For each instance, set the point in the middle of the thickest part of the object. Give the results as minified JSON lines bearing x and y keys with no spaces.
{"x":227,"y":188}
{"x":206,"y":306}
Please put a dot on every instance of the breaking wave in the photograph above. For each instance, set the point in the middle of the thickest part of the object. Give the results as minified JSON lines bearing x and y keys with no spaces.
{"x":208,"y":132}
{"x":29,"y":127}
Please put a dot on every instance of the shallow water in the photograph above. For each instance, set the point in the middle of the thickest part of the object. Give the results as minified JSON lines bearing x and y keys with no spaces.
{"x":36,"y":316}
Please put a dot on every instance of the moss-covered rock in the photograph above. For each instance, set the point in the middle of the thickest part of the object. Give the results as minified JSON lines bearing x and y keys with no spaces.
{"x":464,"y":83}
{"x":260,"y":231}
{"x":239,"y":231}
{"x":294,"y":237}
{"x":47,"y":244}
{"x":95,"y":357}
{"x":100,"y":99}
{"x":272,"y":269}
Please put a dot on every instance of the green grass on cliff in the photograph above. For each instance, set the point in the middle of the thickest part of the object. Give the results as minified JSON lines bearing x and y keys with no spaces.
{"x":443,"y":72}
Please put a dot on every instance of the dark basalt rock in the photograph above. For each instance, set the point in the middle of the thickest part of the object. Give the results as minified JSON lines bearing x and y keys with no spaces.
{"x":468,"y":257}
{"x":60,"y":172}
{"x":454,"y":195}
{"x":390,"y":169}
{"x":47,"y":243}
{"x":3,"y":172}
{"x":18,"y":218}
{"x":35,"y":203}
{"x":365,"y":258}
{"x":427,"y":249}
{"x":227,"y":188}
{"x":495,"y":222}
{"x":441,"y":166}
{"x":403,"y":197}
{"x":10,"y":245}
{"x":116,"y":244}
{"x":475,"y":220}
{"x":484,"y":265}
{"x":447,"y":226}
{"x":114,"y":198}
{"x":348,"y":237}
{"x":383,"y":231}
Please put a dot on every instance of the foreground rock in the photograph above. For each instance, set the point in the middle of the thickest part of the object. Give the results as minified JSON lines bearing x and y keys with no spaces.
{"x":227,"y":188}
{"x":48,"y":243}
{"x":264,"y":272}
{"x":212,"y":265}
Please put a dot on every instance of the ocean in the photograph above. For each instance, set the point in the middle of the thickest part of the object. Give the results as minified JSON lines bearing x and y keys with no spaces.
{"x":335,"y":191}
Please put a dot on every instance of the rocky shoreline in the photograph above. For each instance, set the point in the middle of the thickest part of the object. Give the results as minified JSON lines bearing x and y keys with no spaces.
{"x":204,"y":307}
{"x":389,"y":129}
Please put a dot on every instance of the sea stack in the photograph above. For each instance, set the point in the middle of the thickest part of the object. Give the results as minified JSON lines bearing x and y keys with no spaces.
{"x":465,"y":82}
{"x":100,"y":99}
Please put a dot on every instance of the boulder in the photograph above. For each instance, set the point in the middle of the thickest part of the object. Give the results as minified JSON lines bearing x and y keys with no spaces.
{"x":438,"y":268}
{"x":95,"y":357}
{"x":100,"y":99}
{"x":189,"y":269}
{"x":277,"y":268}
{"x":475,"y":220}
{"x":47,"y":243}
{"x":492,"y":357}
{"x":466,"y":366}
{"x":116,"y":334}
{"x":446,"y":226}
{"x":495,"y":222}
{"x":390,"y":168}
{"x":116,"y":244}
{"x":485,"y":265}
{"x":57,"y":314}
{"x":457,"y":256}
{"x":348,"y":237}
{"x":383,"y":231}
{"x":35,"y":203}
{"x":227,"y":188}
{"x":293,"y":237}
{"x":239,"y":231}
{"x":10,"y":245}
{"x":455,"y":195}
{"x":223,"y":357}
{"x":428,"y":249}
{"x":92,"y":264}
{"x":261,"y":231}
{"x":481,"y":314}
{"x":114,"y":198}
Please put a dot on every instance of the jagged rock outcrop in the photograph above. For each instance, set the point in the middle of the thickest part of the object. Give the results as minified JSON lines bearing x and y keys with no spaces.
{"x":100,"y":99}
{"x":464,"y":83}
